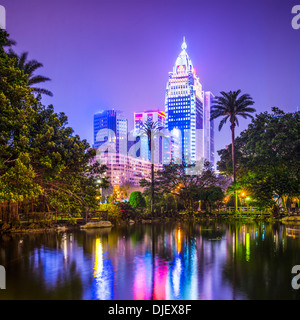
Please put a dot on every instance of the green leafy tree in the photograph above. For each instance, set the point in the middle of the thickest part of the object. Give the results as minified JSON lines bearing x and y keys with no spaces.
{"x":17,"y":109}
{"x":269,"y":157}
{"x":211,"y":195}
{"x":41,"y":160}
{"x":184,"y":183}
{"x":137,"y":200}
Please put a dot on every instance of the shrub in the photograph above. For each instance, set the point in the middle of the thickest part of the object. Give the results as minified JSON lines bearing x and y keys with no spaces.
{"x":127,"y":211}
{"x":137,"y":200}
{"x":113,"y":210}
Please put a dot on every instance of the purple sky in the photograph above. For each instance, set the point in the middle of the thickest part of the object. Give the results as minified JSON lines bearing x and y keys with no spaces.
{"x":103,"y":54}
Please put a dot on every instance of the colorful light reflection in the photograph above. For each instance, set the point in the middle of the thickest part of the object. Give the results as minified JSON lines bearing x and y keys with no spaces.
{"x":103,"y":274}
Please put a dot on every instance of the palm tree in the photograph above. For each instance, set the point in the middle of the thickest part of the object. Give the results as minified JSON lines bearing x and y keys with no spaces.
{"x":29,"y":67}
{"x":151,"y":129}
{"x":230,"y":106}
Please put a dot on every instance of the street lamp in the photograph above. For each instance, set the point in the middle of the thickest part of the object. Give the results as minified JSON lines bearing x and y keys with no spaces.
{"x":247,"y":199}
{"x":98,"y":185}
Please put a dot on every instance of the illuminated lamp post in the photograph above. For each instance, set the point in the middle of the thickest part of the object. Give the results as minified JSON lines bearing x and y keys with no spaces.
{"x":98,"y":185}
{"x":247,"y":199}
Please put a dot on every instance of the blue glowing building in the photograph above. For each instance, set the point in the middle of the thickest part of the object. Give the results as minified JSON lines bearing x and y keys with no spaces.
{"x":187,"y":109}
{"x":110,"y":131}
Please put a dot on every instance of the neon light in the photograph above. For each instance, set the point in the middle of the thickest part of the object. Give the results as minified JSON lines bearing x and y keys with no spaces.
{"x":180,"y":69}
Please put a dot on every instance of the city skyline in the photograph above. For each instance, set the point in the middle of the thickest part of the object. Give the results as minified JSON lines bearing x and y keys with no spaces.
{"x":104,"y":55}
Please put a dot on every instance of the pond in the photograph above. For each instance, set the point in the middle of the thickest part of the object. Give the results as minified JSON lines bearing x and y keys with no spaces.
{"x":160,"y":261}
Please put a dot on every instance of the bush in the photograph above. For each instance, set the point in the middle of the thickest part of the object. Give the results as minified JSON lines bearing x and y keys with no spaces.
{"x":113,"y":210}
{"x":127,"y":211}
{"x":137,"y":200}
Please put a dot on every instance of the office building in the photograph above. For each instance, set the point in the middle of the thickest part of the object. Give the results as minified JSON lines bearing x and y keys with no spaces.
{"x":124,"y":169}
{"x":110,"y":131}
{"x":157,"y":117}
{"x":187,"y":109}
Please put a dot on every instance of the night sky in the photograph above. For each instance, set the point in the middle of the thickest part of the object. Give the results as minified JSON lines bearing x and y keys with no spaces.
{"x":103,"y":54}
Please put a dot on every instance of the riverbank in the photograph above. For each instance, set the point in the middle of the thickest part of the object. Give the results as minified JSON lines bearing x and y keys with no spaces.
{"x":63,"y":226}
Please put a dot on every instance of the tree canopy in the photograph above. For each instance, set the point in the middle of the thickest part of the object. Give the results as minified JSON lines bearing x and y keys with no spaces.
{"x":269,"y":156}
{"x":183,"y":182}
{"x":40,"y":157}
{"x":137,"y":200}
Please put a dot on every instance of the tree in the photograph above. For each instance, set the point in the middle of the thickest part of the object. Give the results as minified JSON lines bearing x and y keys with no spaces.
{"x":269,"y":153}
{"x":62,"y":161}
{"x":29,"y":67}
{"x":176,"y":179}
{"x":18,"y":108}
{"x":136,"y":200}
{"x":151,"y":129}
{"x":210,"y":195}
{"x":41,"y":160}
{"x":230,"y":106}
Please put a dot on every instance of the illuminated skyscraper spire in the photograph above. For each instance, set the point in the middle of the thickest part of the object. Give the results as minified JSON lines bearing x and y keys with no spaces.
{"x":183,"y":46}
{"x":183,"y":63}
{"x":187,"y":109}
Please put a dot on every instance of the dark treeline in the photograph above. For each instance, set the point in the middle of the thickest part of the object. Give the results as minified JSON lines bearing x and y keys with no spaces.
{"x":44,"y":167}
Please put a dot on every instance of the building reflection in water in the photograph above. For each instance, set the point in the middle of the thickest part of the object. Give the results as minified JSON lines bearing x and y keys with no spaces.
{"x":164,"y":262}
{"x":103,"y":274}
{"x":143,"y":277}
{"x":159,"y":278}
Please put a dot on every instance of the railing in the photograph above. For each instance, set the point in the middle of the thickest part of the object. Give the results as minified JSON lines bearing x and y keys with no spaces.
{"x":292,"y":232}
{"x":98,"y":214}
{"x":54,"y":216}
{"x":245,"y":210}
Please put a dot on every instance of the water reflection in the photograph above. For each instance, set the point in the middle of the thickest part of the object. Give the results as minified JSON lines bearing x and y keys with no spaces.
{"x":158,"y":262}
{"x":103,"y":274}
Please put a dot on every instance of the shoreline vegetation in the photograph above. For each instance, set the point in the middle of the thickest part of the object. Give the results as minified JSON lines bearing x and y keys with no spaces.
{"x":79,"y":224}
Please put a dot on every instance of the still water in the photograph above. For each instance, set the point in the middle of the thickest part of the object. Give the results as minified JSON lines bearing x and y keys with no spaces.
{"x":160,"y":261}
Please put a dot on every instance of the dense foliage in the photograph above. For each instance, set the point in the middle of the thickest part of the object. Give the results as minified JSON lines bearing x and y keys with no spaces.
{"x":185,"y":182}
{"x":137,"y":200}
{"x":42,"y":163}
{"x":268,"y":157}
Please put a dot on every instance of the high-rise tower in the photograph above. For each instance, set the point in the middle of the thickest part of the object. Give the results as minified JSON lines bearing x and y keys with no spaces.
{"x":110,"y":131}
{"x":155,"y":116}
{"x":184,"y":106}
{"x":186,"y":110}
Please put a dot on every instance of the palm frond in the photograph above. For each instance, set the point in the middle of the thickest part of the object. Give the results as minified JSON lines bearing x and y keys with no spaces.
{"x":29,"y":67}
{"x":43,"y":91}
{"x":38,"y":79}
{"x":21,"y":60}
{"x":222,"y":122}
{"x":9,"y":43}
{"x":230,"y":105}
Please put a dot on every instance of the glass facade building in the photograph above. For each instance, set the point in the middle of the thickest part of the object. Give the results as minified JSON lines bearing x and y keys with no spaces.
{"x":185,"y":108}
{"x":110,"y":131}
{"x":155,"y":116}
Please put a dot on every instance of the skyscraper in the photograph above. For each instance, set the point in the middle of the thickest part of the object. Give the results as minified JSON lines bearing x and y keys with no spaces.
{"x":186,"y":110}
{"x":110,"y":131}
{"x":209,"y":135}
{"x":154,"y":116}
